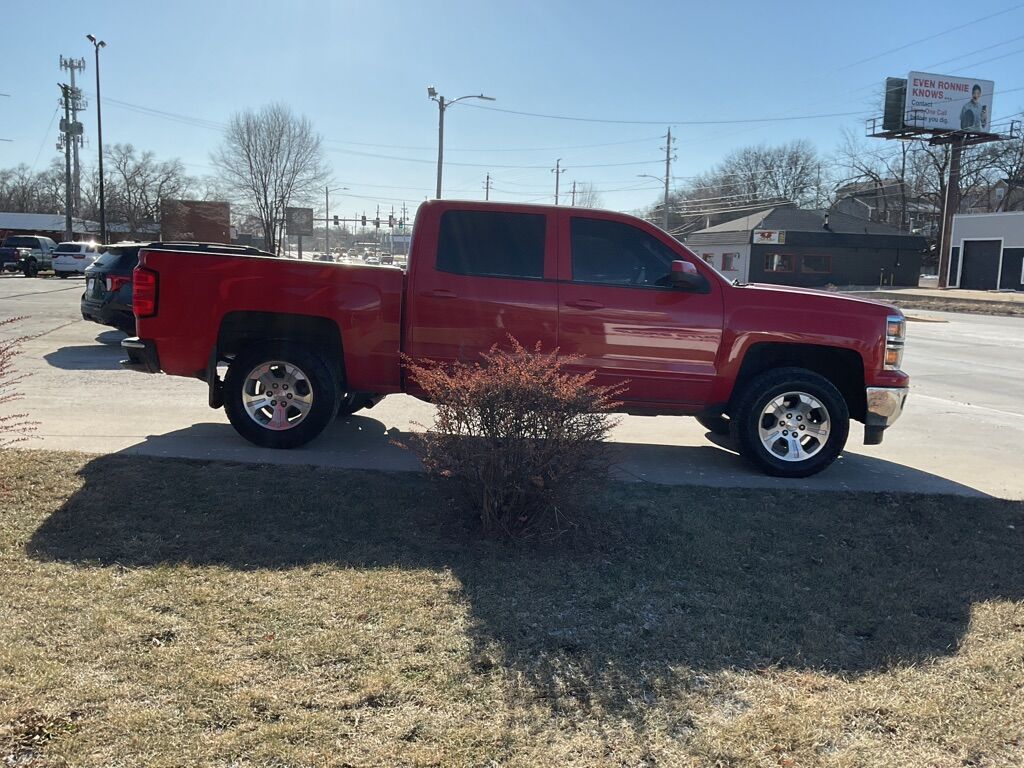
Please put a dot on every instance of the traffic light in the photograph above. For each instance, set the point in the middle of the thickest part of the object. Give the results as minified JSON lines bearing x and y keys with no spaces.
{"x":391,"y":221}
{"x":364,"y":219}
{"x":401,"y":223}
{"x":335,"y":219}
{"x":376,"y":223}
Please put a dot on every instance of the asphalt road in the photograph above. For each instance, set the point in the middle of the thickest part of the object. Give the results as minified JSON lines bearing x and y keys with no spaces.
{"x":962,"y":432}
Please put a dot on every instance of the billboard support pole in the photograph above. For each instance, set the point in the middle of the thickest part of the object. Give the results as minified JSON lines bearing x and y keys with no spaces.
{"x":300,"y":247}
{"x":950,"y":205}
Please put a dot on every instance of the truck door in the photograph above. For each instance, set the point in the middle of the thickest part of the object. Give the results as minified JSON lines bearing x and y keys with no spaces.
{"x":491,"y":275}
{"x":619,"y":311}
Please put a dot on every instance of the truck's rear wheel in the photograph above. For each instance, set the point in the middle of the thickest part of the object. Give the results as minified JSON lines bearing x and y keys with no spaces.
{"x":791,"y":422}
{"x":280,"y":395}
{"x":31,"y":268}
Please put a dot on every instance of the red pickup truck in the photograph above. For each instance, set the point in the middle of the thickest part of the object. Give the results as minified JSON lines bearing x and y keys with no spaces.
{"x":783,"y":369}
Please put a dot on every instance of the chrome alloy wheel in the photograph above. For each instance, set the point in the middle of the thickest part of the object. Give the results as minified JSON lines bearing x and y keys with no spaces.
{"x":794,"y":426}
{"x":277,"y":395}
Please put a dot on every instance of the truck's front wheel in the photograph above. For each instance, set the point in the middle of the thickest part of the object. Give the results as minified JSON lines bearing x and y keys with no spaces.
{"x":280,"y":395}
{"x":791,"y":422}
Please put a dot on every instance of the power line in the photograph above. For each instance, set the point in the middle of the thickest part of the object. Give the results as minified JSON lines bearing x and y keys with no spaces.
{"x":495,"y":149}
{"x":786,"y":118}
{"x":930,"y":37}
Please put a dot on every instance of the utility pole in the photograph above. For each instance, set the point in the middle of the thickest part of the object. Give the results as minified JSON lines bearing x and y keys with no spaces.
{"x":487,"y":189}
{"x":574,"y":194}
{"x":67,"y":139}
{"x":97,"y":44}
{"x":77,"y":103}
{"x":950,"y":205}
{"x":558,"y":170}
{"x":668,"y":176}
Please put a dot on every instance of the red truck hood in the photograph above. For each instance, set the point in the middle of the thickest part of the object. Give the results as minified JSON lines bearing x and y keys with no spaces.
{"x":790,"y":290}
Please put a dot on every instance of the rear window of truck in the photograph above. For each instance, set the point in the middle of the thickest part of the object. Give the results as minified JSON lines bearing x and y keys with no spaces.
{"x":492,"y":244}
{"x":21,"y":242}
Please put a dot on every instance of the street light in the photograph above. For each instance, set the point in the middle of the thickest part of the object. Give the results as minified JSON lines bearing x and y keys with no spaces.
{"x":97,"y":44}
{"x":442,"y":105}
{"x":327,"y":216}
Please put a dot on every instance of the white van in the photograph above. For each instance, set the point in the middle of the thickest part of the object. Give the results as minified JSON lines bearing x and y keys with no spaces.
{"x":73,"y":258}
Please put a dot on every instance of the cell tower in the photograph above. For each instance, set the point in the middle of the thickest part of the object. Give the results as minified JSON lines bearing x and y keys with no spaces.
{"x":73,"y":131}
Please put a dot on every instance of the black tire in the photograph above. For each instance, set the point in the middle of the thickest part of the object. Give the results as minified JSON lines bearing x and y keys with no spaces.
{"x":749,"y":417}
{"x":716,"y":425}
{"x":31,"y":268}
{"x":63,"y":275}
{"x":321,"y":381}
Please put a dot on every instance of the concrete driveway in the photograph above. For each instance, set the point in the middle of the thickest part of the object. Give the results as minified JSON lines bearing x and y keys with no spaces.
{"x":963,"y":432}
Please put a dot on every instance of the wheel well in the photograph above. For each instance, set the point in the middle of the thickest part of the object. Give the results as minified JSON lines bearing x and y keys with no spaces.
{"x":239,"y":329}
{"x":843,"y":367}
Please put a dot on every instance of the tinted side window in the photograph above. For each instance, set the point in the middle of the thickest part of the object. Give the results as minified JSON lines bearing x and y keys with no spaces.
{"x":618,"y":254}
{"x":492,"y":243}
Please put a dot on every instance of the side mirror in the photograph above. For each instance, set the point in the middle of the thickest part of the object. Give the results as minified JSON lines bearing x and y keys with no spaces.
{"x":684,"y":275}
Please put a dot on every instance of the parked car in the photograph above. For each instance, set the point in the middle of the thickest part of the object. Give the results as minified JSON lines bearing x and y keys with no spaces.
{"x":28,"y":254}
{"x":783,"y":369}
{"x":107,"y":298}
{"x":73,"y":258}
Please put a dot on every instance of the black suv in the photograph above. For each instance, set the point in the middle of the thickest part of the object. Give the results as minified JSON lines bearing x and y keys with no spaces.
{"x":108,"y":281}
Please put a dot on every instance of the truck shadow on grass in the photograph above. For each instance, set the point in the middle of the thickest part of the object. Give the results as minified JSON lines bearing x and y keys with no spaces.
{"x":658,"y":584}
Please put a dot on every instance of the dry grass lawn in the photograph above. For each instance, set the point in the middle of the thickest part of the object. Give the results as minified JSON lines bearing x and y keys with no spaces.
{"x":166,"y":612}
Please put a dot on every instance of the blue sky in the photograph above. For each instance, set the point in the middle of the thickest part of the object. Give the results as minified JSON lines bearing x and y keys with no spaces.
{"x":359,"y":71}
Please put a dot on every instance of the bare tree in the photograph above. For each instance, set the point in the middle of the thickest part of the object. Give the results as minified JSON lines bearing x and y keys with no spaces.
{"x":137,"y":182}
{"x":748,"y":179}
{"x":271,"y":158}
{"x":24,"y":191}
{"x":587,"y":195}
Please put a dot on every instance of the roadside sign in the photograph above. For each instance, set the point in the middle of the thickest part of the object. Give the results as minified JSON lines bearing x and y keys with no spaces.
{"x":299,"y":221}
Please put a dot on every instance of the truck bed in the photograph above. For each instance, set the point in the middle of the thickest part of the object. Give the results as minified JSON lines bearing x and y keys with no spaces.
{"x":198,"y":293}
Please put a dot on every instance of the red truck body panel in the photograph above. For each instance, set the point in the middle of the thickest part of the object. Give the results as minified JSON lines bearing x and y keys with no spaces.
{"x":197,"y":291}
{"x":677,"y":351}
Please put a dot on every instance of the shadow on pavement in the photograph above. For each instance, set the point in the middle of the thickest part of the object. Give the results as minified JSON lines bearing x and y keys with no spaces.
{"x":663,"y":581}
{"x":112,"y":338}
{"x":363,"y":442}
{"x":106,"y":355}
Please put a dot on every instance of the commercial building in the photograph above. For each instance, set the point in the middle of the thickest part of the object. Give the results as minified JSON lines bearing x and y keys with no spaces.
{"x":810,"y":248}
{"x":46,"y":225}
{"x":987,"y":251}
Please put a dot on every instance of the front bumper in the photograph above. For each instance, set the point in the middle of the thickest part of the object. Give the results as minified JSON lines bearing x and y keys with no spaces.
{"x":885,"y":404}
{"x":142,"y":355}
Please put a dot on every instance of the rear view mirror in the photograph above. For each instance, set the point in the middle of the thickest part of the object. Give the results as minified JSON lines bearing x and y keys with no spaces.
{"x":684,"y":275}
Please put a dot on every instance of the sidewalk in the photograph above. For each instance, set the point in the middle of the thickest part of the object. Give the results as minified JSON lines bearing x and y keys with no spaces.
{"x":949,"y":300}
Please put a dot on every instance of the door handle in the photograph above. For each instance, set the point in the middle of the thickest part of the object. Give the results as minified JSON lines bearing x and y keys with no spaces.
{"x":585,"y":304}
{"x":441,"y":293}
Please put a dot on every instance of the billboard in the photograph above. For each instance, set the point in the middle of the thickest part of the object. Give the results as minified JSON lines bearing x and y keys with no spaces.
{"x":203,"y":221}
{"x":944,"y":103}
{"x":299,"y":221}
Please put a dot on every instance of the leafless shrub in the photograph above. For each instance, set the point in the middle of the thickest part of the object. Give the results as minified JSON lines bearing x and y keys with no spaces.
{"x":14,"y":427}
{"x":517,"y":436}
